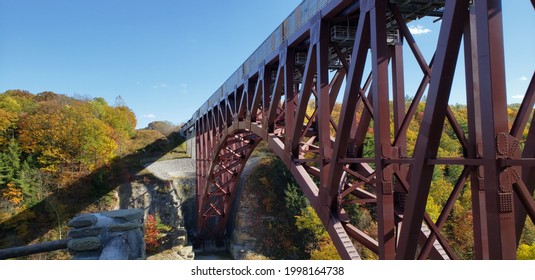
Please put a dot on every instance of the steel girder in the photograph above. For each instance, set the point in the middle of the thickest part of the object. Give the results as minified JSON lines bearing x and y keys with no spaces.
{"x":290,"y":104}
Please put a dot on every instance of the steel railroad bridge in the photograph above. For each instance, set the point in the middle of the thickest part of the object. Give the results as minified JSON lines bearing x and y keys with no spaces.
{"x":350,"y":50}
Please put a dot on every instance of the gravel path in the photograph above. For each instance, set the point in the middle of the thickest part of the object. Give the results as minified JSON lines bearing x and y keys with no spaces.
{"x":172,"y":169}
{"x":185,"y":168}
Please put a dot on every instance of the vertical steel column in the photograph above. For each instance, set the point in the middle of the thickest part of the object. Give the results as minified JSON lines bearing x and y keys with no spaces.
{"x":398,"y":92}
{"x":256,"y":101}
{"x":304,"y":97}
{"x":244,"y":100}
{"x":384,"y":187}
{"x":277,"y":90}
{"x":474,"y":151}
{"x":266,"y":96}
{"x":351,"y":96}
{"x":491,"y":71}
{"x":289,"y":92}
{"x":198,"y":171}
{"x":320,"y":37}
{"x":347,"y":113}
{"x":249,"y":85}
{"x":201,"y":174}
{"x":432,"y":124}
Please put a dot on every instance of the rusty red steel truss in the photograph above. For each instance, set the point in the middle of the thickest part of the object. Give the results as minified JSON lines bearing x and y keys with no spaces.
{"x":327,"y":58}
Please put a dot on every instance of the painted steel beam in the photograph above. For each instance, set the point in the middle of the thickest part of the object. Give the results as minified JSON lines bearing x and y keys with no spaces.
{"x":287,"y":98}
{"x":433,"y":120}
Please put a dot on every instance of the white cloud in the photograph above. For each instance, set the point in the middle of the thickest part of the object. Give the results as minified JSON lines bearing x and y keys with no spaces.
{"x":418,"y":30}
{"x":149,"y":116}
{"x":519,"y":96}
{"x":162,"y":85}
{"x":523,"y":78}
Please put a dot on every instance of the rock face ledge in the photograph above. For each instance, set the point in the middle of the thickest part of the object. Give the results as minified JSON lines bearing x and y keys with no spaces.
{"x":113,"y":235}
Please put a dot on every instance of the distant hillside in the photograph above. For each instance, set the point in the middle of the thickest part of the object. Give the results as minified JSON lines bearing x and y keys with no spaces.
{"x":61,"y":155}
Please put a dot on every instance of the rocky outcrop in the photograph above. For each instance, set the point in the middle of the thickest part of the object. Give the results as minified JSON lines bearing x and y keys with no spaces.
{"x":155,"y":197}
{"x":175,"y":253}
{"x":243,"y":218}
{"x":168,"y":196}
{"x":113,"y":235}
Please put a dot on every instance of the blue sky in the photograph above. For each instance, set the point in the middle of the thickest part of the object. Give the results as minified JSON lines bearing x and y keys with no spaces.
{"x":165,"y":58}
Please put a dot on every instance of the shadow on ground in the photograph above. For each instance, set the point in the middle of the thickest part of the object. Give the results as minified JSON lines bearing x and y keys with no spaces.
{"x":89,"y":190}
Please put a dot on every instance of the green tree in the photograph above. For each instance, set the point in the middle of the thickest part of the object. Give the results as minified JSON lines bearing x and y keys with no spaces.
{"x":30,"y":182}
{"x":294,"y":199}
{"x":9,"y":163}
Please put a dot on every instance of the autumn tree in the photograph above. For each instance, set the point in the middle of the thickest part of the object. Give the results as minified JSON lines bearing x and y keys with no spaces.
{"x":164,"y":127}
{"x":7,"y":124}
{"x":526,"y":252}
{"x":50,"y":140}
{"x":320,"y":245}
{"x":120,"y":118}
{"x":152,"y":234}
{"x":65,"y":134}
{"x":51,"y":136}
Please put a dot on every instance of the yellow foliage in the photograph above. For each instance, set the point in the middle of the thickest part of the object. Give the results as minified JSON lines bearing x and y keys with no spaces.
{"x":12,"y":194}
{"x":325,"y":250}
{"x":432,"y":208}
{"x":7,"y":121}
{"x":4,"y":217}
{"x":526,"y":252}
{"x":440,"y":189}
{"x":311,"y":108}
{"x":254,"y":257}
{"x":61,"y":135}
{"x":309,"y":220}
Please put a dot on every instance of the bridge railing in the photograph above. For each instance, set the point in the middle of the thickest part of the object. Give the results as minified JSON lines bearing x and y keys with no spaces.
{"x":23,"y":251}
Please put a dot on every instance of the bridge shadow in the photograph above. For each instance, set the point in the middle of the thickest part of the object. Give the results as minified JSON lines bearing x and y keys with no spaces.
{"x":87,"y":194}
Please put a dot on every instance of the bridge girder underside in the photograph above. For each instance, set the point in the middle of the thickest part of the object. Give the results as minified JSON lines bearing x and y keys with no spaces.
{"x":289,"y":102}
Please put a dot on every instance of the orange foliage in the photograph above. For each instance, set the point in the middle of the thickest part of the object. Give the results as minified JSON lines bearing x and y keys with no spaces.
{"x":151,"y":233}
